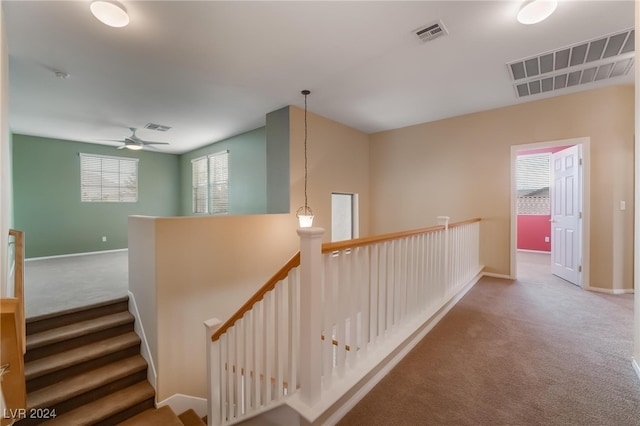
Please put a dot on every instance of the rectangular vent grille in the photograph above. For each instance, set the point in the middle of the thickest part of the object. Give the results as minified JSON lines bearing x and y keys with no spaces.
{"x":158,"y":127}
{"x":605,"y":57}
{"x":431,"y":31}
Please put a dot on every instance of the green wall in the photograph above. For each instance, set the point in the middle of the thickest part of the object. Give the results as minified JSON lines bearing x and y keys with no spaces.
{"x":46,"y":191}
{"x":278,"y":173}
{"x":247,"y":173}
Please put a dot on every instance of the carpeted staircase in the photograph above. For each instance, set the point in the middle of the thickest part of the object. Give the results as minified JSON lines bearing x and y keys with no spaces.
{"x":84,"y":366}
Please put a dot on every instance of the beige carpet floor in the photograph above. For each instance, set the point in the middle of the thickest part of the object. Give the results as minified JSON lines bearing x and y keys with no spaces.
{"x":516,"y":353}
{"x":57,"y":284}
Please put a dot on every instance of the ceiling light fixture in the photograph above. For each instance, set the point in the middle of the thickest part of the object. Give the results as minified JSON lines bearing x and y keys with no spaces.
{"x":133,"y":146}
{"x":110,"y":13}
{"x":304,"y":213}
{"x":534,"y":11}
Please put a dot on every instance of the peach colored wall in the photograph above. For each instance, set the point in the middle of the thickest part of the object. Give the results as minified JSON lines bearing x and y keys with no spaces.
{"x":189,"y":269}
{"x":338,"y":159}
{"x":208,"y":267}
{"x":460,"y":167}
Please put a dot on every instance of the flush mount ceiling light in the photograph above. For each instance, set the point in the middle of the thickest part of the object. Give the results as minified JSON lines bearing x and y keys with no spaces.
{"x":110,"y":13}
{"x":534,"y":11}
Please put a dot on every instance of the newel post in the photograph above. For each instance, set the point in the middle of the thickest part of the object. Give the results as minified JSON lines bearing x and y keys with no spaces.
{"x":310,"y":314}
{"x":214,"y":407}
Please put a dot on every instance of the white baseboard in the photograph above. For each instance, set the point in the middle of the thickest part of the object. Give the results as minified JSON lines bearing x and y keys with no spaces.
{"x":501,"y":276}
{"x":59,"y":256}
{"x":610,"y":290}
{"x":534,"y":251}
{"x":180,"y":403}
{"x":144,"y":345}
{"x":636,"y":367}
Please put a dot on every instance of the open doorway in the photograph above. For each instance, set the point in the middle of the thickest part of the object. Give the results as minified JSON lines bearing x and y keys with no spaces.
{"x":344,"y":216}
{"x":549,"y":217}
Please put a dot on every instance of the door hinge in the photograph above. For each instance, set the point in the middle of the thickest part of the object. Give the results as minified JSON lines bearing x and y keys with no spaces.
{"x":580,"y":162}
{"x":580,"y":215}
{"x":580,"y":268}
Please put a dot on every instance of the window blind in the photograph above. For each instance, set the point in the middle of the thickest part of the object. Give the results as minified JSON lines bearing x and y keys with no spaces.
{"x":532,"y":183}
{"x":210,"y":183}
{"x":108,"y":179}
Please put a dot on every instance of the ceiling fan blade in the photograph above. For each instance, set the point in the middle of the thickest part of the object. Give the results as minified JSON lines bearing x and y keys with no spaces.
{"x":155,"y":143}
{"x":111,"y":140}
{"x":122,"y":147}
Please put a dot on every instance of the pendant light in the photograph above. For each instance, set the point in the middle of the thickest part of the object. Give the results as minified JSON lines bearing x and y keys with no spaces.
{"x":304,"y":213}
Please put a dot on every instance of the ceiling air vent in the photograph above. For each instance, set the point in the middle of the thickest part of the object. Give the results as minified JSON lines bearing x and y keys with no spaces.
{"x":431,"y":31}
{"x":593,"y":60}
{"x":158,"y":127}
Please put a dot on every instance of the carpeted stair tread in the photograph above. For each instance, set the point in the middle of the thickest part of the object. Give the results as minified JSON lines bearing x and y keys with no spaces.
{"x":190,"y":418}
{"x":75,"y":356}
{"x":163,"y":416}
{"x":79,"y":384}
{"x":45,"y":322}
{"x":77,"y":329}
{"x":105,"y":407}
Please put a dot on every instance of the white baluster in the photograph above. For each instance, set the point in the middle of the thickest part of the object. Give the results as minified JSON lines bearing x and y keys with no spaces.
{"x":373,"y":290}
{"x":214,"y":405}
{"x":294,"y":331}
{"x":328,"y":312}
{"x":248,"y":353}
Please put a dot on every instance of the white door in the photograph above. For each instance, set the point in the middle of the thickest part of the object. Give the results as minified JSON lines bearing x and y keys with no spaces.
{"x":566,"y":214}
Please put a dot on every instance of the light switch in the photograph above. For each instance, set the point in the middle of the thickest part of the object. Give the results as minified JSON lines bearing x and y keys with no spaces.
{"x":623,"y":205}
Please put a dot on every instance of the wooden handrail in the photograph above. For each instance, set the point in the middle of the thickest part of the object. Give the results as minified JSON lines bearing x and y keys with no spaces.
{"x":326,"y":248}
{"x":18,"y":283}
{"x":13,"y":380}
{"x":268,"y":286}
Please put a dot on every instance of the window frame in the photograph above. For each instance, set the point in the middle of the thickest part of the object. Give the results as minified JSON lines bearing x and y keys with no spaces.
{"x":210,"y":186}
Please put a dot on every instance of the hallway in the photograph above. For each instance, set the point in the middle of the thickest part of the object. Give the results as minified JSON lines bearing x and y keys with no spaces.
{"x":536,"y":352}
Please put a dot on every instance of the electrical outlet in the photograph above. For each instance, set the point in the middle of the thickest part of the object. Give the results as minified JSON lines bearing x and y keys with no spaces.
{"x":546,"y":239}
{"x":104,"y":239}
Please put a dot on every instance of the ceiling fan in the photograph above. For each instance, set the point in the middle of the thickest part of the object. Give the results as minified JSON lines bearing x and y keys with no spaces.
{"x":134,"y":142}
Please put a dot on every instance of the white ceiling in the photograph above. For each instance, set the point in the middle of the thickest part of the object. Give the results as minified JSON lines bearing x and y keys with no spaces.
{"x":214,"y":69}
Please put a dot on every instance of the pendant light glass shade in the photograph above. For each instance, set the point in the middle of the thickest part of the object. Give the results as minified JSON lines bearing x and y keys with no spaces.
{"x":305,"y":217}
{"x":534,"y":11}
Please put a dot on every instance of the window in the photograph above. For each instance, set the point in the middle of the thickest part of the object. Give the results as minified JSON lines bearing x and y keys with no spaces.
{"x":210,"y":183}
{"x":108,"y":179}
{"x":532,"y":181}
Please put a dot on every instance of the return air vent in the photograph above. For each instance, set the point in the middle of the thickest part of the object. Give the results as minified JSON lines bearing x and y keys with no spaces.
{"x":158,"y":127}
{"x":598,"y":59}
{"x":431,"y":31}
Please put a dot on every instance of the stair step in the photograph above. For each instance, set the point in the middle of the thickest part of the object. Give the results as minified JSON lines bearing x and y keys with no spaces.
{"x":59,"y":319}
{"x":111,"y":409}
{"x":163,"y":416}
{"x":190,"y":418}
{"x":72,"y":336}
{"x":78,"y":329}
{"x":74,"y":386}
{"x":74,"y":361}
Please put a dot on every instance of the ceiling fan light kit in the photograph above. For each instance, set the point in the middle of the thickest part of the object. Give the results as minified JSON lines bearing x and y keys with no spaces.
{"x":110,"y":13}
{"x":535,"y":11}
{"x":133,"y":142}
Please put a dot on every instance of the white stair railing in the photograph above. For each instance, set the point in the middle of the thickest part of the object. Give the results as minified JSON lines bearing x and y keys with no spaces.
{"x":329,"y":311}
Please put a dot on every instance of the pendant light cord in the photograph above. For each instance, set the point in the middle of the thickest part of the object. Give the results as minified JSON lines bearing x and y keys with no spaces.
{"x":306,"y":207}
